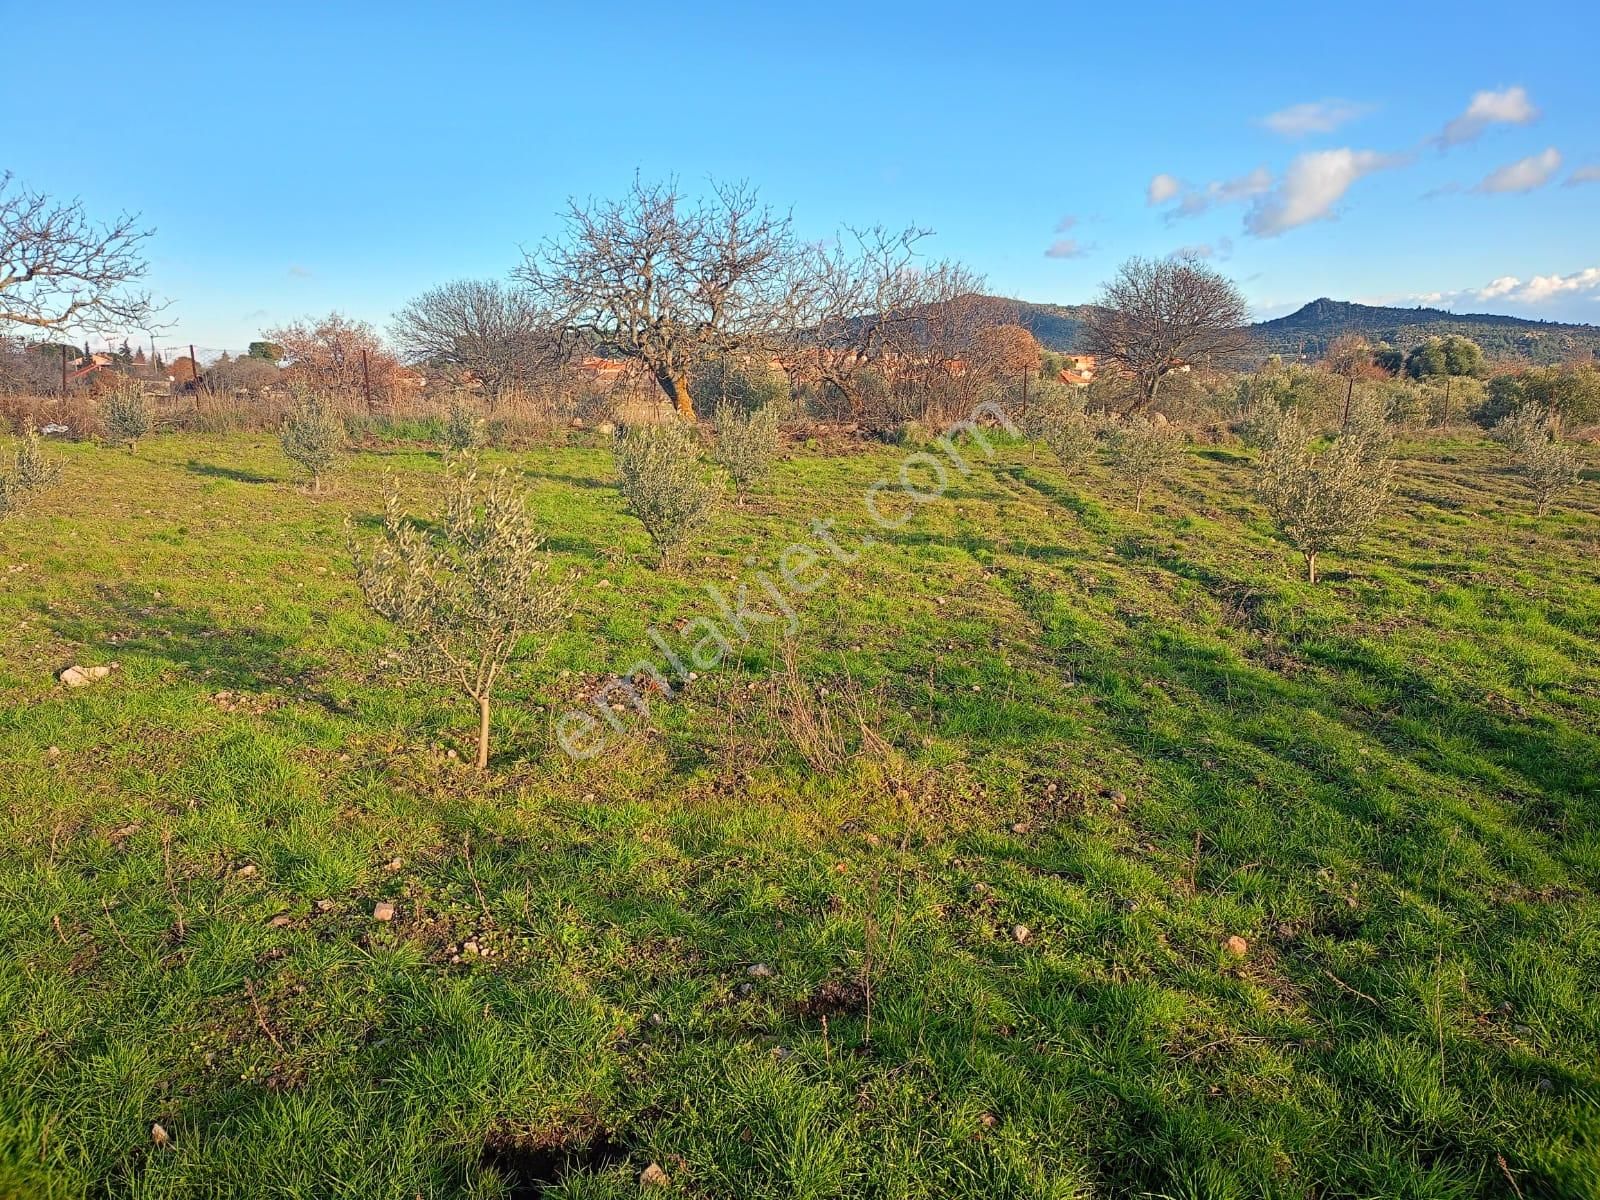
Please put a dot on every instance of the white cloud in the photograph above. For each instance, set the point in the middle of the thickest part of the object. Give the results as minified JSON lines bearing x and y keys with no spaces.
{"x":1312,"y":185}
{"x":1194,"y":201}
{"x":1317,"y":116}
{"x":1523,"y":175}
{"x":1544,"y":287}
{"x":1066,"y":248}
{"x":1508,"y":107}
{"x":1513,"y":290}
{"x":1220,"y":250}
{"x":1589,"y":174}
{"x":1066,"y":223}
{"x":1162,"y":188}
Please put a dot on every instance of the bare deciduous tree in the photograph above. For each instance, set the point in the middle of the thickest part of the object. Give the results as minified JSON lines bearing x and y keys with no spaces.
{"x":499,"y":334}
{"x":1349,"y":356}
{"x":866,"y":311}
{"x":61,"y":270}
{"x":664,"y":281}
{"x":1160,"y":315}
{"x":327,"y":356}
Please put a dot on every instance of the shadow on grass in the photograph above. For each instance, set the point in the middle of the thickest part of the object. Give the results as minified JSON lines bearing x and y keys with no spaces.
{"x":215,"y":471}
{"x":583,"y":481}
{"x":237,"y":658}
{"x":1090,"y":515}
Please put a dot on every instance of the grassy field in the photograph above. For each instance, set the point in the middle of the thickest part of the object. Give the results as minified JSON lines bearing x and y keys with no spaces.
{"x":936,"y":907}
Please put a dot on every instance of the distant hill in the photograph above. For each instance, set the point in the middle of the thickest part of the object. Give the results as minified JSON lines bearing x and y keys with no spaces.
{"x":1307,"y":332}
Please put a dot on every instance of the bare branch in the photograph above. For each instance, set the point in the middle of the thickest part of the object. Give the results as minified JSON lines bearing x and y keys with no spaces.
{"x":59,"y":270}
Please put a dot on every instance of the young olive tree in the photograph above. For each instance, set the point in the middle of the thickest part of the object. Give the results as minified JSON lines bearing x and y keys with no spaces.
{"x":30,"y":472}
{"x":463,"y":430}
{"x":468,"y":593}
{"x":1322,"y":502}
{"x":663,"y":482}
{"x":1071,"y":436}
{"x":126,"y":414}
{"x":312,"y":436}
{"x":1144,"y":451}
{"x":747,"y":444}
{"x":1548,"y":464}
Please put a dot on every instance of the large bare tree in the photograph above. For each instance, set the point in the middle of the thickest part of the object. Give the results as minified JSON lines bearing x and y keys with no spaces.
{"x":60,"y":270}
{"x":1161,"y":315}
{"x":867,"y":308}
{"x":667,"y":281}
{"x":499,"y":334}
{"x":336,"y":354}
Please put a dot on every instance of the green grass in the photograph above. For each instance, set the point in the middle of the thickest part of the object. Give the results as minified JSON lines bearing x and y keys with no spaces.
{"x":1137,"y":736}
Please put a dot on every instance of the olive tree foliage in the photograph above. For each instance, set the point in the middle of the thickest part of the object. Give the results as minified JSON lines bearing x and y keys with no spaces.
{"x":59,"y":269}
{"x":469,"y":592}
{"x":1446,"y":359}
{"x":1547,"y":464}
{"x":1160,"y":315}
{"x":499,"y":335}
{"x":1071,"y":434}
{"x":463,"y":429}
{"x":667,"y":281}
{"x":744,"y":385}
{"x":1571,"y":392}
{"x":663,"y":482}
{"x":125,"y":413}
{"x":29,"y":473}
{"x":1143,"y":451}
{"x":312,"y":435}
{"x":1325,"y":501}
{"x":747,"y":443}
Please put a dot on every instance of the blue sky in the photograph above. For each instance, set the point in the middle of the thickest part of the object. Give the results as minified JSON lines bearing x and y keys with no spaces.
{"x":297,"y":158}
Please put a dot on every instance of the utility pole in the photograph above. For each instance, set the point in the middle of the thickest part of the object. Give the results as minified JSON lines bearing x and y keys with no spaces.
{"x":63,"y":370}
{"x":366,"y":381}
{"x":194,"y":367}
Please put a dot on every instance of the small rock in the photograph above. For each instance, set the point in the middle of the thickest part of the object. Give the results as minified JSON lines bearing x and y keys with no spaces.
{"x":1021,"y":932}
{"x":1236,"y":946}
{"x":159,"y":1134}
{"x":279,"y":921}
{"x":1020,"y":827}
{"x":53,"y":753}
{"x":324,"y":905}
{"x":395,"y":864}
{"x":246,"y":871}
{"x":988,"y":1120}
{"x":76,"y":676}
{"x":759,"y":971}
{"x":653,"y":1176}
{"x":383,"y":911}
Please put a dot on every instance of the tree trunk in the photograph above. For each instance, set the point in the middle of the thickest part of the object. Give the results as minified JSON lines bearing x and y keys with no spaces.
{"x":677,"y":389}
{"x":483,"y":732}
{"x":316,"y":484}
{"x":1311,"y":566}
{"x":1349,"y":392}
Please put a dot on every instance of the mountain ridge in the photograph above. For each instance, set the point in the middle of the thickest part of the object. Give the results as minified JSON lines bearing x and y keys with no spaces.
{"x":1306,"y":332}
